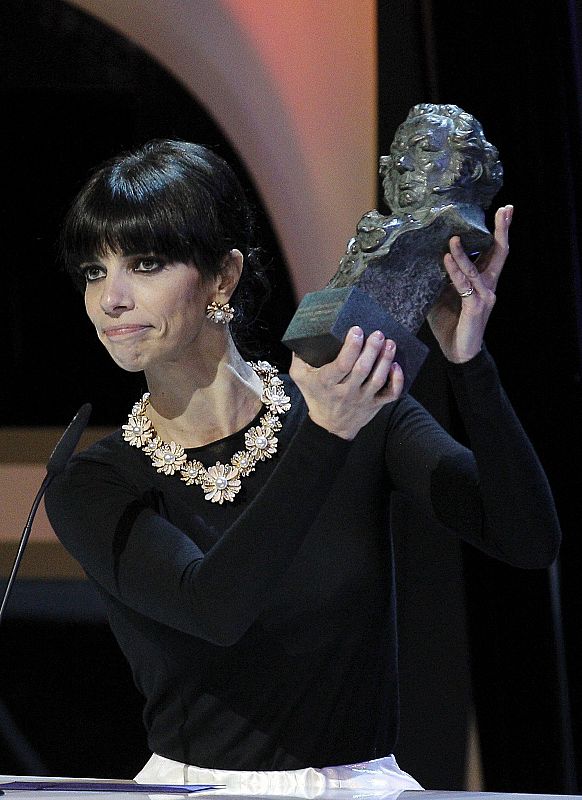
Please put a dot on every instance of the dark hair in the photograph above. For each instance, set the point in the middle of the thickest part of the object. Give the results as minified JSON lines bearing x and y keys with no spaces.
{"x":169,"y":198}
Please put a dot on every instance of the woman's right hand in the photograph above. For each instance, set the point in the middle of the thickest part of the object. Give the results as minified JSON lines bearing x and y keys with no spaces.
{"x":347,"y":393}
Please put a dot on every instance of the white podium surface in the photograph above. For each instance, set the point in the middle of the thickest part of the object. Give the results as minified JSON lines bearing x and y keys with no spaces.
{"x":334,"y":794}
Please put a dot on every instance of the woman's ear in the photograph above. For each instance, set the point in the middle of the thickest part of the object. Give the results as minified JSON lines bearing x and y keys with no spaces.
{"x":229,"y":276}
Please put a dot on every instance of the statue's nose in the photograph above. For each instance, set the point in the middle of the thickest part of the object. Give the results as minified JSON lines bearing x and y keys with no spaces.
{"x":404,"y":163}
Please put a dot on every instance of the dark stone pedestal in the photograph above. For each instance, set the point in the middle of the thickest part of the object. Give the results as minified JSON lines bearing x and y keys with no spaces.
{"x":322,"y":320}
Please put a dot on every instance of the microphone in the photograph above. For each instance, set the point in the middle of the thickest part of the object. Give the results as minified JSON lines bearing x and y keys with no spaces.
{"x":57,"y":462}
{"x":65,"y":447}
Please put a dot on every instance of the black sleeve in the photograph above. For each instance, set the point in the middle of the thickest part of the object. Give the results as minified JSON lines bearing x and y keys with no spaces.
{"x":150,"y":565}
{"x":494,"y":495}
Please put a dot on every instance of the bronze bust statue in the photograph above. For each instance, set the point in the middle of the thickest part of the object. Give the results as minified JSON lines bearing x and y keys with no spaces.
{"x":438,"y":180}
{"x":440,"y":169}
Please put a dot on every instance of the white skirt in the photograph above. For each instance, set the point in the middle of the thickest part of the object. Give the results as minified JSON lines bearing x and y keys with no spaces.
{"x":381,"y":777}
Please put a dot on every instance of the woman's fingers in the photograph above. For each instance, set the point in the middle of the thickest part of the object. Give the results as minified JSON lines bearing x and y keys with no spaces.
{"x":372,"y":364}
{"x":468,"y":277}
{"x":378,"y":375}
{"x":395,"y":385}
{"x":346,"y":394}
{"x":338,"y":369}
{"x":350,"y":351}
{"x":462,"y":271}
{"x":500,"y":249}
{"x":359,"y":359}
{"x":491,"y":263}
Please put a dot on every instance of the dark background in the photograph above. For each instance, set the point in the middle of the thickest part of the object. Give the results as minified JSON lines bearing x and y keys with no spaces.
{"x":74,"y":93}
{"x":516,"y":67}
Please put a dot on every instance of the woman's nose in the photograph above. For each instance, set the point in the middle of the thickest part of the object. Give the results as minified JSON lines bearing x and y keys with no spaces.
{"x":116,"y":295}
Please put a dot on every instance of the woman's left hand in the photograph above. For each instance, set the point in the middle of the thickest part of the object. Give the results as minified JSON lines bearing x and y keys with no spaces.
{"x":459,"y":317}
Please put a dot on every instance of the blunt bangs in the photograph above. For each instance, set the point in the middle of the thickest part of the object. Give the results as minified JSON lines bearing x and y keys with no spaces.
{"x":171,"y":199}
{"x":118,"y":227}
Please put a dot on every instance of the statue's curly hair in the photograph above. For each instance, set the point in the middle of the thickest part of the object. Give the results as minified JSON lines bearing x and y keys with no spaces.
{"x":482,"y":166}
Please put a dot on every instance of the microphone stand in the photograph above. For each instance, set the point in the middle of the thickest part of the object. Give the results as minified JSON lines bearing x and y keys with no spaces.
{"x":24,"y":540}
{"x":56,"y":464}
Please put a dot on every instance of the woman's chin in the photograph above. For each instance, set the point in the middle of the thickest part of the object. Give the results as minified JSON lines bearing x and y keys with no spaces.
{"x":128,"y":363}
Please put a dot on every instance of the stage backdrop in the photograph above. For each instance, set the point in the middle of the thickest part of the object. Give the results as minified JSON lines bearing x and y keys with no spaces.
{"x":293,"y":86}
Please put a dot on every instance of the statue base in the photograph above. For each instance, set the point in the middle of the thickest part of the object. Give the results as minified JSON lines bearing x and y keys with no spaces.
{"x":322,"y":320}
{"x":407,"y":276}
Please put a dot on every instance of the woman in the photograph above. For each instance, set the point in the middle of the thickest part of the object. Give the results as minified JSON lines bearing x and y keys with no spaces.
{"x":236,"y":526}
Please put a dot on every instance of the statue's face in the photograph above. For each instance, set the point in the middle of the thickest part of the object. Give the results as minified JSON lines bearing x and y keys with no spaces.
{"x":422,"y":165}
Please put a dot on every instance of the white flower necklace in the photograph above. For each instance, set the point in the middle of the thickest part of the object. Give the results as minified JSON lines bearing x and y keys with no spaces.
{"x":222,"y":481}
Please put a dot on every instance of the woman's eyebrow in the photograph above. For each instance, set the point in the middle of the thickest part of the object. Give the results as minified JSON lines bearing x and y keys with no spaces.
{"x":90,"y":261}
{"x":96,"y":259}
{"x":143,"y":254}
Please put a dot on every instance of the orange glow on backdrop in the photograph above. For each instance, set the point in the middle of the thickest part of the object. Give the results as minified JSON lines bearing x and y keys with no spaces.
{"x":293,"y":86}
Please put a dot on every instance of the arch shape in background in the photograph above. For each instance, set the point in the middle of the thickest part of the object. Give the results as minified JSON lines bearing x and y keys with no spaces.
{"x":293,"y":86}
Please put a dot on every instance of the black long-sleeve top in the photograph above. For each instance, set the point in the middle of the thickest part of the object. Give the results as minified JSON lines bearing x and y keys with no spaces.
{"x":262,"y":632}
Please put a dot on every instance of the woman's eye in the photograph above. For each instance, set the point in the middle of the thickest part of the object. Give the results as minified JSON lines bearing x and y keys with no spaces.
{"x":148,"y":264}
{"x":92,"y":272}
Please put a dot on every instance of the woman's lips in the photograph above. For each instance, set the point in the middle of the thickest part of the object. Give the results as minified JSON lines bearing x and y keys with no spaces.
{"x":125,"y":331}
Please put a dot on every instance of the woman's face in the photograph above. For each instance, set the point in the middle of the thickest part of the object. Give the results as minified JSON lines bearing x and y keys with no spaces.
{"x":147,"y":311}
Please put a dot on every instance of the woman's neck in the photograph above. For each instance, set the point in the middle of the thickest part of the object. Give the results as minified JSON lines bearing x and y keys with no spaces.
{"x":200,"y":403}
